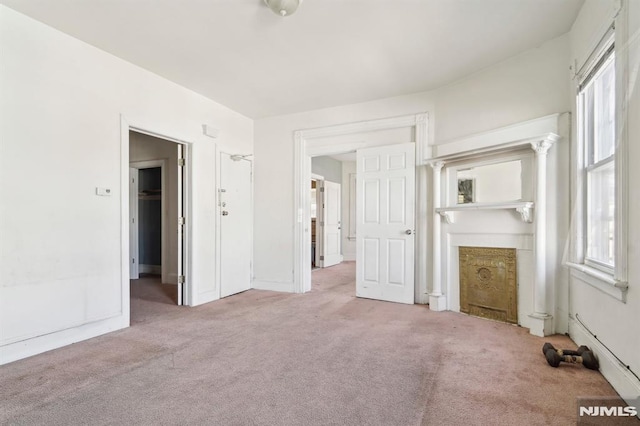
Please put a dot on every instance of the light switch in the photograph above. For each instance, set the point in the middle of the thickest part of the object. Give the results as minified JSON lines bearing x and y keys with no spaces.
{"x":105,"y":192}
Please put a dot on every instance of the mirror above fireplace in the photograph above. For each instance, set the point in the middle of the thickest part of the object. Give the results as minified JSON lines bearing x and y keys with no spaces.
{"x":491,"y":183}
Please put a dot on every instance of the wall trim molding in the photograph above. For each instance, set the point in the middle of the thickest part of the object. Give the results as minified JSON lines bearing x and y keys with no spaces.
{"x":599,"y":280}
{"x":506,"y":138}
{"x":150,"y":269}
{"x":39,"y":344}
{"x":616,"y":374}
{"x":280,"y":286}
{"x":127,"y":125}
{"x":206,"y":297}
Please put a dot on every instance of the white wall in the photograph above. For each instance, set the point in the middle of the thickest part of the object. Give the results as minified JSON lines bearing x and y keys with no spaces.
{"x":61,"y":108}
{"x":613,"y":322}
{"x":327,"y":167}
{"x":530,"y":85}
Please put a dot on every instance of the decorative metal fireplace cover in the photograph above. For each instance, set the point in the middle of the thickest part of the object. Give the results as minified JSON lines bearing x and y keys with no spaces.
{"x":488,"y":283}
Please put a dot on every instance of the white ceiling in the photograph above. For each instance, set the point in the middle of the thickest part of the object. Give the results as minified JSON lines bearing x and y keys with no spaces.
{"x":330,"y":52}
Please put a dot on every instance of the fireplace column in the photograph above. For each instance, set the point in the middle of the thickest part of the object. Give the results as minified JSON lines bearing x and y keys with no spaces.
{"x":543,"y":321}
{"x":437,"y":300}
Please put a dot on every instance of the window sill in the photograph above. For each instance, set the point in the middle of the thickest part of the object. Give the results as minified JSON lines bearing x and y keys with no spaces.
{"x":600,"y":280}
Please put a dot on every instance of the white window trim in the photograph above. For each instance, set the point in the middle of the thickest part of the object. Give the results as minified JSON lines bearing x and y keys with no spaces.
{"x":611,"y":281}
{"x":600,"y":280}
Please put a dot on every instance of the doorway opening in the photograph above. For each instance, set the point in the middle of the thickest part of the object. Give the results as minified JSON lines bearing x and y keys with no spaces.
{"x":156,"y":220}
{"x":395,"y":147}
{"x":332,"y":239}
{"x":385,"y":218}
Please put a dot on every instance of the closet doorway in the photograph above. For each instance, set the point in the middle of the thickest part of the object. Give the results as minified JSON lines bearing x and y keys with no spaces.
{"x":157,"y":219}
{"x":148,"y":220}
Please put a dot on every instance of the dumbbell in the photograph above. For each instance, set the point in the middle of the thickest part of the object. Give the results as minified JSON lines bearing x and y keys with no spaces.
{"x":561,"y":352}
{"x":581,"y":356}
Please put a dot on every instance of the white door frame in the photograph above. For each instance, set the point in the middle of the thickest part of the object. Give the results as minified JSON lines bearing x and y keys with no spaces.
{"x":319,"y":214}
{"x":314,"y":142}
{"x":328,"y":259}
{"x":150,"y":164}
{"x":134,"y":250}
{"x":127,"y":125}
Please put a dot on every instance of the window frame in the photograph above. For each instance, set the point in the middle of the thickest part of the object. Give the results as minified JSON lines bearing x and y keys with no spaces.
{"x":611,"y":280}
{"x":588,"y":148}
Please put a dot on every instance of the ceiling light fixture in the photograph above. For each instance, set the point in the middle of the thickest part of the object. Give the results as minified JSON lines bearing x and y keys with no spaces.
{"x":283,"y":7}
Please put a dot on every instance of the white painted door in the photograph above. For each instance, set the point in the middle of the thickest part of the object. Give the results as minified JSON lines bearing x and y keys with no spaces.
{"x":134,"y":271}
{"x":235,"y":225}
{"x":385,"y":210}
{"x":331,"y":212}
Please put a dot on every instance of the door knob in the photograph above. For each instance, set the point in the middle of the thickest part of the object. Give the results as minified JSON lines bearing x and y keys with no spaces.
{"x":408,"y":232}
{"x":225,"y":213}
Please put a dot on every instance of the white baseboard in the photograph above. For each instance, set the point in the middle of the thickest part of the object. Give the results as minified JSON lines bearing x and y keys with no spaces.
{"x":37,"y":345}
{"x":150,"y":269}
{"x":284,"y":287}
{"x":349,"y":257}
{"x":206,"y":297}
{"x":617,"y":374}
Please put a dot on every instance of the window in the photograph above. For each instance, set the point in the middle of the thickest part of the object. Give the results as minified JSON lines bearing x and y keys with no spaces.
{"x":597,"y":137}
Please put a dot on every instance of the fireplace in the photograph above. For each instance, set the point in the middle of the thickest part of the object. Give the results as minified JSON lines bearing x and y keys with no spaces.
{"x":524,"y":284}
{"x":488,"y":283}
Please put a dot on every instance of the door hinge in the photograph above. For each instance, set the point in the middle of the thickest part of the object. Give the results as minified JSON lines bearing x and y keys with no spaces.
{"x":133,"y":260}
{"x":181,"y":221}
{"x":322,"y":189}
{"x":321,"y":257}
{"x":180,"y":279}
{"x":180,"y":162}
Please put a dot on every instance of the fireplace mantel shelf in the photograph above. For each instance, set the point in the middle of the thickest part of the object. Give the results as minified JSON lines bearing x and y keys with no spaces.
{"x":524,"y":208}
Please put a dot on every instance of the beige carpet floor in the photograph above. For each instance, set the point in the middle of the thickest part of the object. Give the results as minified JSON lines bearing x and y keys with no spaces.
{"x":322,"y":358}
